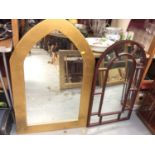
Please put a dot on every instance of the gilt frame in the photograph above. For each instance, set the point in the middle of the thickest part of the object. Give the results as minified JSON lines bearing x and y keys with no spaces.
{"x":17,"y":74}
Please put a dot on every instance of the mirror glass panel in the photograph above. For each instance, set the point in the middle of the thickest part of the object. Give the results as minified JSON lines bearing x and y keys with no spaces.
{"x":53,"y":72}
{"x":112,"y":83}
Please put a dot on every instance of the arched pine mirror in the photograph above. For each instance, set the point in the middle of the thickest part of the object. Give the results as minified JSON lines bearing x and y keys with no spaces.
{"x":37,"y":90}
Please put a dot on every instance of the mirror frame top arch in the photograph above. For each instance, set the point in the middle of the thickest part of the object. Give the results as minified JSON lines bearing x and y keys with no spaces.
{"x":17,"y":74}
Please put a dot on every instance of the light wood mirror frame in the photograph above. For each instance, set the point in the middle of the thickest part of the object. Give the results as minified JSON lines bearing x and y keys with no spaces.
{"x":17,"y":74}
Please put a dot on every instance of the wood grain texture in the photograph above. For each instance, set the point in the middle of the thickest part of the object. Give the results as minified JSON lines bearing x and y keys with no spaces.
{"x":15,"y":31}
{"x":6,"y":43}
{"x":150,"y":56}
{"x":62,"y":55}
{"x":17,"y":73}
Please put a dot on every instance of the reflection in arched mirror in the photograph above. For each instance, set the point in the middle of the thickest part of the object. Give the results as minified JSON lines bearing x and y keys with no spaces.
{"x":116,"y":82}
{"x":53,"y":75}
{"x":115,"y":76}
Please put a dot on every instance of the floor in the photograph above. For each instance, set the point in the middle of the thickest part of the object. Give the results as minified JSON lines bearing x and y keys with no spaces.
{"x":42,"y":92}
{"x":130,"y":127}
{"x":44,"y":99}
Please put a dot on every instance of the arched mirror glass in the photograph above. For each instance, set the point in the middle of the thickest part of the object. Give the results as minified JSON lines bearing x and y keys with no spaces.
{"x":53,"y":71}
{"x":116,"y":82}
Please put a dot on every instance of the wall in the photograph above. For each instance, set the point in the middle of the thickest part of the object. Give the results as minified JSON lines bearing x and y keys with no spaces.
{"x":123,"y":23}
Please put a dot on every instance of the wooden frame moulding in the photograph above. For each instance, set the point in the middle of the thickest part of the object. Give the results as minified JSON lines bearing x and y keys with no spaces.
{"x":150,"y":55}
{"x":62,"y":55}
{"x":17,"y":74}
{"x":15,"y":31}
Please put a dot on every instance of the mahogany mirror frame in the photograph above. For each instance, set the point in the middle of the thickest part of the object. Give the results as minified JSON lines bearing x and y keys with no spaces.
{"x":17,"y":74}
